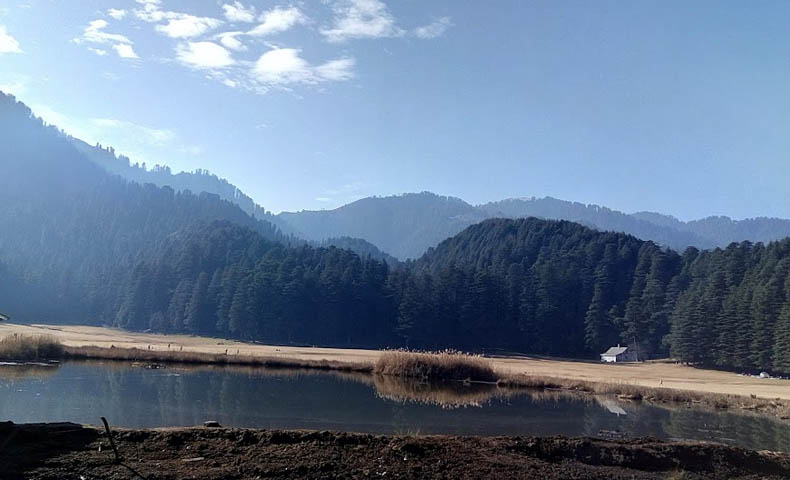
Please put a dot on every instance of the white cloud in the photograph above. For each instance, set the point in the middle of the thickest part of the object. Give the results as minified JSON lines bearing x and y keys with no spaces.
{"x":116,"y":13}
{"x":177,"y":25}
{"x":150,"y":11}
{"x":61,"y":121}
{"x":142,"y":143}
{"x":278,"y":20}
{"x":8,"y":44}
{"x":94,"y":33}
{"x":98,"y":51}
{"x":125,"y":51}
{"x":237,"y":12}
{"x":361,"y":19}
{"x":182,"y":25}
{"x":204,"y":55}
{"x":155,"y":137}
{"x":282,"y":66}
{"x":229,"y":40}
{"x":433,"y":30}
{"x":336,"y":70}
{"x":15,"y":84}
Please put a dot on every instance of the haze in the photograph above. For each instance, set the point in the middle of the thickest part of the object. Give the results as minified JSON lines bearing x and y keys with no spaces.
{"x":632,"y":105}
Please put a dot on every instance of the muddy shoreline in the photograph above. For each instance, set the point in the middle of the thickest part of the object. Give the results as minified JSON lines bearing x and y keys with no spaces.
{"x":56,"y":451}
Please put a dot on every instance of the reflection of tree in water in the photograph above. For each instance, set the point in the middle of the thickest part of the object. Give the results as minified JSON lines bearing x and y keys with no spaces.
{"x":729,"y":427}
{"x":12,"y":373}
{"x":254,"y":397}
{"x":447,"y":395}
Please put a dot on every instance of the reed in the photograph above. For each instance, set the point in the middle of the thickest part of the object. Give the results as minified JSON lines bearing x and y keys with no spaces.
{"x":444,"y":365}
{"x":187,"y":357}
{"x":25,"y":348}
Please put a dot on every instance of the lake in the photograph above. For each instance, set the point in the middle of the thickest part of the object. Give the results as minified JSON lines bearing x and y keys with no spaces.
{"x":137,"y":397}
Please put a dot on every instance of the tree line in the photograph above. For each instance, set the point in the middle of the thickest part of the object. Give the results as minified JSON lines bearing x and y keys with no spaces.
{"x":80,"y":245}
{"x":547,"y":287}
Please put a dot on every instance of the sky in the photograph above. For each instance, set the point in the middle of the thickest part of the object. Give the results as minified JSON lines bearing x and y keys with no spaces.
{"x":671,"y":106}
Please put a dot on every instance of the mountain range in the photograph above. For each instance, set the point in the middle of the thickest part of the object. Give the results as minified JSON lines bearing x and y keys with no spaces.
{"x":81,"y":244}
{"x":407,"y":225}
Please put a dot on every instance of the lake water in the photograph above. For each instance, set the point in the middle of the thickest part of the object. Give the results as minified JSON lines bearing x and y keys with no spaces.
{"x":132,"y":396}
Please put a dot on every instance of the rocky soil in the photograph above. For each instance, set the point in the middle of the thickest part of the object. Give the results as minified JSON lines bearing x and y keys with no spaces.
{"x":71,"y":451}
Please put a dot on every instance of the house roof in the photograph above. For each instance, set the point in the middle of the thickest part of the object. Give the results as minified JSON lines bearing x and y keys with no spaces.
{"x":615,"y":351}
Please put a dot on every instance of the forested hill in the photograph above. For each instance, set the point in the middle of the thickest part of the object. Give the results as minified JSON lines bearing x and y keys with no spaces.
{"x":404,"y":226}
{"x":425,"y":219}
{"x":645,"y":227}
{"x":527,"y":285}
{"x":197,"y":181}
{"x":68,"y":225}
{"x":361,"y":247}
{"x":81,"y":245}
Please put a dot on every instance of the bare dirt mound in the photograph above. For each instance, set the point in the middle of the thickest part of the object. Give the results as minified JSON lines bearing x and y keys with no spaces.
{"x":56,"y":451}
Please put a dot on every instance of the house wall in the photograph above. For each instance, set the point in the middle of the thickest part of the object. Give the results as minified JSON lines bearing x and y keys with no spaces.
{"x":623,"y":357}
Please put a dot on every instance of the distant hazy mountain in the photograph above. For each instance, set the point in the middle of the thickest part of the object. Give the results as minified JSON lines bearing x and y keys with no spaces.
{"x":710,"y":232}
{"x":648,"y":226}
{"x":407,"y":225}
{"x":72,"y":231}
{"x":404,"y":226}
{"x":200,"y":181}
{"x":196,"y":182}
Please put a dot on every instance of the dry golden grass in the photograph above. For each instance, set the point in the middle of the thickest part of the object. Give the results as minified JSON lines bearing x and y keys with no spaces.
{"x":188,"y":357}
{"x":446,"y":365}
{"x":29,"y":348}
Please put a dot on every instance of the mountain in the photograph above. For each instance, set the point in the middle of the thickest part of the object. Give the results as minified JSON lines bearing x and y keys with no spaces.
{"x":81,"y":245}
{"x":425,"y":219}
{"x":68,"y":225}
{"x":594,"y":216}
{"x":203,"y":181}
{"x":404,"y":226}
{"x":197,"y":181}
{"x":530,"y":285}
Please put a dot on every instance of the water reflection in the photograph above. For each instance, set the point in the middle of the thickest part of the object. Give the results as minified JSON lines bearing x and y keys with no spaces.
{"x":448,"y":395}
{"x":20,"y":371}
{"x":254,"y":397}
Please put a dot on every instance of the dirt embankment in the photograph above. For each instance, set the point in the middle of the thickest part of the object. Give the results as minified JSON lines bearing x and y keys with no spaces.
{"x":56,"y":451}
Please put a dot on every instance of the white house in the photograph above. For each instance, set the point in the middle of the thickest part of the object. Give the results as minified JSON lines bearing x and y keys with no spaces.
{"x":619,"y":354}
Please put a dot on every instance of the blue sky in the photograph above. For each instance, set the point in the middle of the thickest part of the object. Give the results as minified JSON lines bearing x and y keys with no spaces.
{"x":673,"y":106}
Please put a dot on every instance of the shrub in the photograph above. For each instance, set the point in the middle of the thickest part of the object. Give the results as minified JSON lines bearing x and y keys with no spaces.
{"x":446,"y":365}
{"x":33,"y":347}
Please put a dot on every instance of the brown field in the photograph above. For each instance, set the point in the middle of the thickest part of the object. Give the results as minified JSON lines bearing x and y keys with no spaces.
{"x":652,"y":374}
